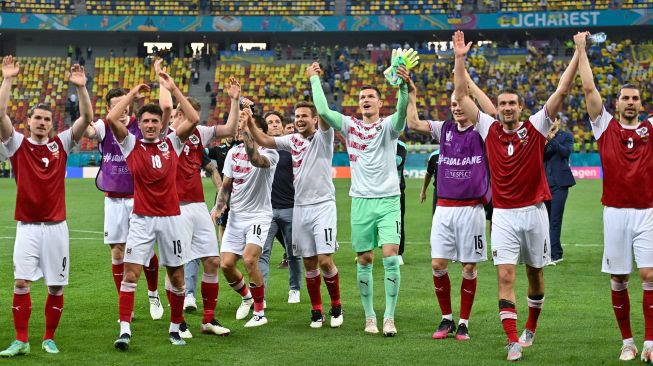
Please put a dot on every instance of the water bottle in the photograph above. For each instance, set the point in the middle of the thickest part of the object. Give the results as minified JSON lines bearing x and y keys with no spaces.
{"x":597,"y":38}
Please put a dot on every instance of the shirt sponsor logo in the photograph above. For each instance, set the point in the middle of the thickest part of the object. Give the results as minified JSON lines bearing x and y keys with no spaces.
{"x":458,"y":174}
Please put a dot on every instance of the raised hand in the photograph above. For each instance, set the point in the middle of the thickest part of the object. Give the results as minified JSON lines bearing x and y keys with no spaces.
{"x":580,"y":39}
{"x":166,"y":81}
{"x":313,"y":69}
{"x":138,"y":89}
{"x":234,"y":89}
{"x":460,"y":49}
{"x":77,"y":75}
{"x":157,"y":66}
{"x":247,"y":103}
{"x":10,"y":67}
{"x":402,"y":72}
{"x":244,"y":117}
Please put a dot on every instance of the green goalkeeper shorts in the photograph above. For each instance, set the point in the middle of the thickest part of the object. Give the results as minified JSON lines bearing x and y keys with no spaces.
{"x":375,"y":222}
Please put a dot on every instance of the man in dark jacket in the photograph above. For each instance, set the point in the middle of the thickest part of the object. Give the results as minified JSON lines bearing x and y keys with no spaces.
{"x":558,"y":174}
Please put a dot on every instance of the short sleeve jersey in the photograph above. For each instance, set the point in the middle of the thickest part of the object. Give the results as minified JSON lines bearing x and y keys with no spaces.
{"x":516,"y":160}
{"x":189,"y":180}
{"x":627,"y":159}
{"x":311,"y":161}
{"x":372,"y":149}
{"x":40,"y":171}
{"x":154,"y":168}
{"x":252,"y":186}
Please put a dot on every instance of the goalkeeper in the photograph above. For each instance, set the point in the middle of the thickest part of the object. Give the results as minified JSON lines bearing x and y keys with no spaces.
{"x":375,"y":207}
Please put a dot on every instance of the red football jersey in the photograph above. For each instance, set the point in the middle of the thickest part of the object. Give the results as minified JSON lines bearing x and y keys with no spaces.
{"x":627,"y":159}
{"x":189,"y":181}
{"x":40,"y":172}
{"x":516,"y":161}
{"x":153,"y":166}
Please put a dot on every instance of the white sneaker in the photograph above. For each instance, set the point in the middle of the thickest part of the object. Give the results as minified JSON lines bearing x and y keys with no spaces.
{"x":156,"y":309}
{"x":317,"y":319}
{"x":526,"y":339}
{"x":370,"y":326}
{"x":256,"y":321}
{"x":243,"y":309}
{"x":190,"y":304}
{"x":336,"y":317}
{"x":389,"y":329}
{"x":628,"y":352}
{"x":401,"y":260}
{"x":184,"y":332}
{"x":214,"y":327}
{"x":293,"y":297}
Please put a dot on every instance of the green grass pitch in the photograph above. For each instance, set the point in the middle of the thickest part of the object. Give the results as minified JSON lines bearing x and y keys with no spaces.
{"x":577,"y":325}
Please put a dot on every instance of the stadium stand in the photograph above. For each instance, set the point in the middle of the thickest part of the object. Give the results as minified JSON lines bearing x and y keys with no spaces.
{"x":41,"y":80}
{"x":556,"y":5}
{"x":145,"y":7}
{"x":372,"y":7}
{"x":39,"y":6}
{"x":272,"y":7}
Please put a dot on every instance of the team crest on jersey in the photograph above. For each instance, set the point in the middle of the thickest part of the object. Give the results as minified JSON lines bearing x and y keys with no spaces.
{"x":642,"y":132}
{"x":53,"y":147}
{"x":194,"y":140}
{"x":379,"y":127}
{"x":163,"y":147}
{"x":449,"y":136}
{"x":523,"y":135}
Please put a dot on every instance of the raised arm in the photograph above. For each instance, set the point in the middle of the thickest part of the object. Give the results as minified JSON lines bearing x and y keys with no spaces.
{"x":412,"y":118}
{"x":185,"y":129}
{"x":10,"y":69}
{"x":229,"y":129}
{"x":333,"y":118}
{"x":399,"y":117}
{"x":251,"y":148}
{"x":113,"y":117}
{"x":460,"y":83}
{"x":592,"y":95}
{"x":484,"y":102}
{"x":78,"y":78}
{"x":165,"y":98}
{"x":554,"y":104}
{"x":259,"y":137}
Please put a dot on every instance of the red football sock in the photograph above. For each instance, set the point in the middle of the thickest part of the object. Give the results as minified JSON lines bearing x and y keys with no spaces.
{"x":313,"y":283}
{"x":53,"y":311}
{"x":126,"y":301}
{"x":117,"y":271}
{"x":209,"y":299}
{"x":443,"y":290}
{"x":647,"y":306}
{"x":177,"y":307}
{"x":621,"y":307}
{"x":332,"y":281}
{"x":258,"y":293}
{"x":22,"y":309}
{"x":534,"y":309}
{"x":152,"y":273}
{"x":467,"y":293}
{"x":240,"y":287}
{"x":508,"y":315}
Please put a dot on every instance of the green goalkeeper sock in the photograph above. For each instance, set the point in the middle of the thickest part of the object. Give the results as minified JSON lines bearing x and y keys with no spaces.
{"x":392,"y":281}
{"x":366,"y":288}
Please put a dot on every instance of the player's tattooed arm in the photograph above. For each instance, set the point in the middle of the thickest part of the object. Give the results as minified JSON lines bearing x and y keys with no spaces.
{"x":251,"y":147}
{"x":222,"y":198}
{"x":10,"y":69}
{"x":229,"y":129}
{"x":186,"y":127}
{"x":165,"y":98}
{"x":259,"y":137}
{"x":461,"y":90}
{"x":113,"y":117}
{"x":78,"y":78}
{"x":592,"y":95}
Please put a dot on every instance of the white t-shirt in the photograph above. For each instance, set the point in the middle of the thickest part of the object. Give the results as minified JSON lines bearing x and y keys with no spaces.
{"x":252,"y":186}
{"x":372,"y":149}
{"x":127,"y":145}
{"x":13,"y":143}
{"x":311,"y":162}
